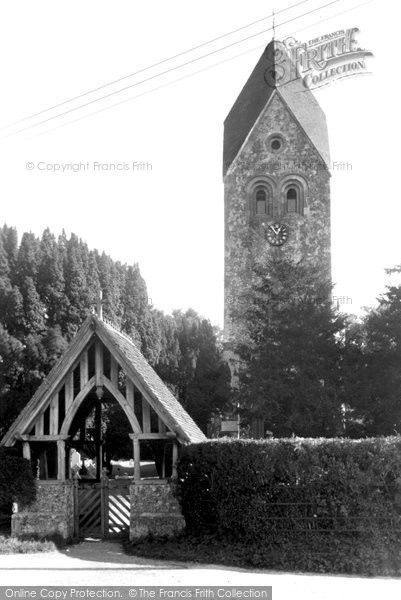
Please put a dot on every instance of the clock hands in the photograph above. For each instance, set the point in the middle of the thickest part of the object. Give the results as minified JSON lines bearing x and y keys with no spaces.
{"x":276,"y":233}
{"x":276,"y":228}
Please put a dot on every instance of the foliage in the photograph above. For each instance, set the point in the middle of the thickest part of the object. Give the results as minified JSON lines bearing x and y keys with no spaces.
{"x":371,"y":369}
{"x":308,"y":370}
{"x":12,"y":545}
{"x":286,"y":336}
{"x":328,"y":554}
{"x":48,"y":287}
{"x":16,"y":480}
{"x":269,"y":493}
{"x":200,"y":377}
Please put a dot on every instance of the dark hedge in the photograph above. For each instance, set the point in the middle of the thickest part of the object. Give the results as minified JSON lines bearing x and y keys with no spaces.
{"x":16,"y":480}
{"x":316,"y":554}
{"x":337,"y":494}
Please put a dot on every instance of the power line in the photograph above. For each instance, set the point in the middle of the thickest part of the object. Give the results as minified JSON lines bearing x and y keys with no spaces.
{"x":198,"y":71}
{"x":168,"y":70}
{"x":157,"y":64}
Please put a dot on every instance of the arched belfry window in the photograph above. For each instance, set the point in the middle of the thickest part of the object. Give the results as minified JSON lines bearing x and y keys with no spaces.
{"x":292,"y":200}
{"x":293,"y":197}
{"x":262,"y":200}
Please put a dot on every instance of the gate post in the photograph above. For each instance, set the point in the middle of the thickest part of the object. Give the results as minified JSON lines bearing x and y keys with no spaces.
{"x":137,"y":456}
{"x":61,"y":460}
{"x":104,"y":503}
{"x":155,"y":509}
{"x":76,"y":507}
{"x":174,"y":475}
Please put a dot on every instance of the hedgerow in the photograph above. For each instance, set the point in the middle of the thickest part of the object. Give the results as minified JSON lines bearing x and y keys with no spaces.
{"x":16,"y":480}
{"x":328,"y":554}
{"x":337,"y":499}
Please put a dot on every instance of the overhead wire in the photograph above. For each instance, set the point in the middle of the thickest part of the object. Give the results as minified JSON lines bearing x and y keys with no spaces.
{"x":100,"y":110}
{"x":156,"y":64}
{"x":196,"y":59}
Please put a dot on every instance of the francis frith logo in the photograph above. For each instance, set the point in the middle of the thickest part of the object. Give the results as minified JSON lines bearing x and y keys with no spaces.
{"x":319,"y":61}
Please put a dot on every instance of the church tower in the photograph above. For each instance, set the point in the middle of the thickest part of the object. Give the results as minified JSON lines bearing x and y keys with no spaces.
{"x":276,"y":175}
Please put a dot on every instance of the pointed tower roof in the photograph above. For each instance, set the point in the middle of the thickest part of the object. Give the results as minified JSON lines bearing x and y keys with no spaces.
{"x":270,"y":76}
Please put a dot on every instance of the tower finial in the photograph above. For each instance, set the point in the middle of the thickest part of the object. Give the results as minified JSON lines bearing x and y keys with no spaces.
{"x":274,"y":25}
{"x":99,"y":307}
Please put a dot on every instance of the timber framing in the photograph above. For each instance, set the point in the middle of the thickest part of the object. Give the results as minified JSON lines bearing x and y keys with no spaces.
{"x":50,"y":412}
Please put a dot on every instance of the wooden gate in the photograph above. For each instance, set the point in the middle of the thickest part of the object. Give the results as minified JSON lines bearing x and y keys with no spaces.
{"x":102,"y":509}
{"x":118,"y":508}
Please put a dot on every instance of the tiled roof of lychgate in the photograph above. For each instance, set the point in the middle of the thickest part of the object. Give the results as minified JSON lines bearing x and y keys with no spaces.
{"x":252,"y":100}
{"x":135,"y":360}
{"x":136,"y":367}
{"x":52,"y":379}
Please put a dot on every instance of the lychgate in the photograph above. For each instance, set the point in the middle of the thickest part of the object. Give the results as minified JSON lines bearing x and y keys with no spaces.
{"x":102,"y":395}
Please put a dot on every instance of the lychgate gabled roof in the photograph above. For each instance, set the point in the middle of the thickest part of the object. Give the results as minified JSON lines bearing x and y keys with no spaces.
{"x":256,"y":94}
{"x":150,"y":384}
{"x":50,"y":412}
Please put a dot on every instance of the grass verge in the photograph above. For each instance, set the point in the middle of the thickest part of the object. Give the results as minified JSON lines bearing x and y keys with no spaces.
{"x":28,"y":545}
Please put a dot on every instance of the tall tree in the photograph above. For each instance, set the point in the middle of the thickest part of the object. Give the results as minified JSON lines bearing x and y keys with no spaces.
{"x":32,"y":318}
{"x":135,"y":319}
{"x":289,"y":350}
{"x":50,"y":280}
{"x":28,"y":259}
{"x":4,"y":265}
{"x":10,"y":242}
{"x":192,"y":364}
{"x":11,"y":352}
{"x":75,"y":285}
{"x":111,"y":287}
{"x":47,"y":289}
{"x":209,"y":390}
{"x":372,"y":382}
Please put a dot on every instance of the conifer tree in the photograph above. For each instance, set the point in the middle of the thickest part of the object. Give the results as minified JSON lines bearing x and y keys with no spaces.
{"x":372,"y":374}
{"x":33,"y":318}
{"x":75,"y":284}
{"x":47,"y":289}
{"x":11,"y":367}
{"x":50,"y":281}
{"x":109,"y":288}
{"x":209,"y":389}
{"x":290,"y":352}
{"x":28,"y":259}
{"x":4,"y":266}
{"x":10,"y":242}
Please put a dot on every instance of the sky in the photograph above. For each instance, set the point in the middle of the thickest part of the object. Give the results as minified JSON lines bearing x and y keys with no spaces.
{"x":166,"y":211}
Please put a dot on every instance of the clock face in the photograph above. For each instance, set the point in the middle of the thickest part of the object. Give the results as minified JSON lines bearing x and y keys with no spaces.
{"x":277,"y":234}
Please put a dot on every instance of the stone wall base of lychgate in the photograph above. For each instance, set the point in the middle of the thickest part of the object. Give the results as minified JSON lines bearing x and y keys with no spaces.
{"x":155,"y":510}
{"x":52,"y":513}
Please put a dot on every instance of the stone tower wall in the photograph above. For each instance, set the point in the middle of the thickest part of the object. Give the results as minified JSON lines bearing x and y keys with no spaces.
{"x":297,"y":159}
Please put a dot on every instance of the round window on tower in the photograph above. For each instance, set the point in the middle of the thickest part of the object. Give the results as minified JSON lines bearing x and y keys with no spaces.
{"x":275,"y":143}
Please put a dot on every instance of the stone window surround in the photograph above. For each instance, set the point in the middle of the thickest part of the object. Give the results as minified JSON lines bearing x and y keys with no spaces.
{"x":269,"y":186}
{"x":275,"y":137}
{"x":277,"y":191}
{"x":297,"y":182}
{"x":268,"y":199}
